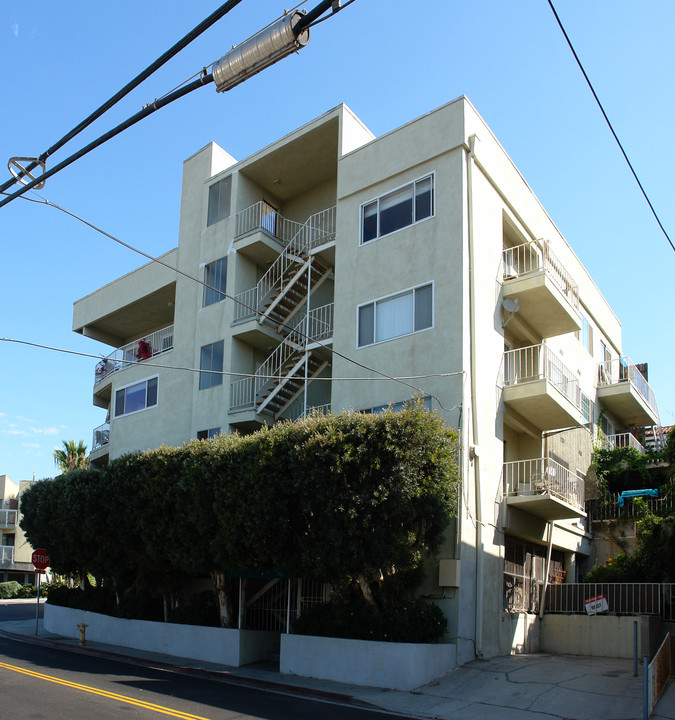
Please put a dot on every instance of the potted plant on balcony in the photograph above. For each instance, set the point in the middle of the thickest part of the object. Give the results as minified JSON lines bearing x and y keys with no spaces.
{"x":144,"y":350}
{"x":103,"y":367}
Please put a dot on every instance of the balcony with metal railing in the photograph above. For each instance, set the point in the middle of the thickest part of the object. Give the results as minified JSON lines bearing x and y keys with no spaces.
{"x":539,"y":386}
{"x":625,"y":392}
{"x":6,"y":555}
{"x":547,"y":295}
{"x":134,"y":352}
{"x":621,"y":440}
{"x":101,"y":437}
{"x":8,"y":518}
{"x":262,"y":232}
{"x":545,"y":488}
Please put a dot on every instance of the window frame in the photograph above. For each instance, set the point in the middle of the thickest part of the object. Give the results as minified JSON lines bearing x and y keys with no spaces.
{"x":208,"y":434}
{"x":212,"y":290}
{"x":412,"y":183}
{"x":217,"y":217}
{"x":215,"y":377}
{"x":117,"y":415}
{"x":392,"y":296}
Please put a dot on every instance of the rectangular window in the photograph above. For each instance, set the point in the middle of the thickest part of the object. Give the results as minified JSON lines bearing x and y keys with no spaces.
{"x":136,"y":397}
{"x":398,"y":209}
{"x":585,"y":335}
{"x":206,"y":434}
{"x":219,"y":200}
{"x":215,"y":281}
{"x":395,"y":316}
{"x":211,"y":365}
{"x":587,"y":408}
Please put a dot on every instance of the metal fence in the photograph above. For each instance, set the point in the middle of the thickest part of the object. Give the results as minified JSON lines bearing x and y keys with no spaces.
{"x":276,"y":603}
{"x":622,"y":598}
{"x":606,"y":507}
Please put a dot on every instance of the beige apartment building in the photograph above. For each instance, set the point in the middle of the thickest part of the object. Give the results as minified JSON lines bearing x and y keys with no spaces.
{"x":15,"y":551}
{"x":346,"y":271}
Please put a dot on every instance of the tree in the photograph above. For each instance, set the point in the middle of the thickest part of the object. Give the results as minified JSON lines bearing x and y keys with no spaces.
{"x":72,"y":456}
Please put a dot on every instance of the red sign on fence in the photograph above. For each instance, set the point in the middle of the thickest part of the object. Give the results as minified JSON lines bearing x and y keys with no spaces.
{"x":40,"y":559}
{"x":596,"y":604}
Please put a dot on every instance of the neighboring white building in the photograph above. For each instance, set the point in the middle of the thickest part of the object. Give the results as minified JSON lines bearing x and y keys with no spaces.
{"x":15,"y":552}
{"x":421,"y":254}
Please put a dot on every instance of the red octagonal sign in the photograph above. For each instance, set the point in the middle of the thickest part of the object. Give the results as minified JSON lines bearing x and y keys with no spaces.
{"x":40,"y":558}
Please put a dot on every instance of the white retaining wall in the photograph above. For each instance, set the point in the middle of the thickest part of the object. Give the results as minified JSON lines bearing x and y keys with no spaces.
{"x":217,"y":645}
{"x":398,"y":666}
{"x":595,"y":635}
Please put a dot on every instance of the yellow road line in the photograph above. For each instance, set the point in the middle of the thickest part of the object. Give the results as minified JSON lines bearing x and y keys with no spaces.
{"x":104,"y":693}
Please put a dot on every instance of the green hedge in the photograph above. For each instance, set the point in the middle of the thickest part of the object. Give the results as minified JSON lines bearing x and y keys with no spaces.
{"x":342,"y":498}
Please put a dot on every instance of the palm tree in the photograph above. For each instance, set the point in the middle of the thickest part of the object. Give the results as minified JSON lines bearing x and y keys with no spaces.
{"x":72,"y":456}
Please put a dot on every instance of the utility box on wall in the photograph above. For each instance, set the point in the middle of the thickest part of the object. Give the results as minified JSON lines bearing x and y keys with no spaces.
{"x":448,"y":573}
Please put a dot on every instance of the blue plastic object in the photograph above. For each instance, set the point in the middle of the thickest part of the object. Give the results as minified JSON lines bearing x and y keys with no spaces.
{"x":637,"y":493}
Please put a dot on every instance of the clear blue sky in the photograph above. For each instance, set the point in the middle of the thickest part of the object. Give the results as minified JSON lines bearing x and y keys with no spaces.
{"x":390,"y":62}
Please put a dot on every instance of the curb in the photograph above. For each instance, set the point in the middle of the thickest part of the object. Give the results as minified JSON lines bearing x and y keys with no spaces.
{"x":224,"y":676}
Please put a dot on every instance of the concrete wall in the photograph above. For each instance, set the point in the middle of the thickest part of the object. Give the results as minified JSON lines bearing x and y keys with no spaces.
{"x":217,"y":645}
{"x":397,"y":666}
{"x":593,"y":635}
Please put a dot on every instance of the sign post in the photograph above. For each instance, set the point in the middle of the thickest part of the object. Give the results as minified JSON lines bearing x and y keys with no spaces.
{"x":40,"y":559}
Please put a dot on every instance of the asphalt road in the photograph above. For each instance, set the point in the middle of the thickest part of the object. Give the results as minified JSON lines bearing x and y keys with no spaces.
{"x":46,"y":683}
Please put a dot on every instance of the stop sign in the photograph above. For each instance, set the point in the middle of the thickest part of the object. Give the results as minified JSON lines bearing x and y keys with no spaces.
{"x":40,"y":558}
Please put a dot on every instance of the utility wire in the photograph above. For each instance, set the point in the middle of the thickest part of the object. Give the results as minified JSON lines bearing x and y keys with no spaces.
{"x":204,"y":79}
{"x":618,"y":142}
{"x":228,"y":373}
{"x":256,"y":311}
{"x":163,"y":59}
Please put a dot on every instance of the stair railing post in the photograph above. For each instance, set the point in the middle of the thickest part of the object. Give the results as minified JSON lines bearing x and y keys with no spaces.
{"x":307,"y":336}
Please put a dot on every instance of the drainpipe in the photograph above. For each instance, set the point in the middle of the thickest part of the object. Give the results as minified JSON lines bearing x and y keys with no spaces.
{"x":548,"y":568}
{"x":474,"y":448}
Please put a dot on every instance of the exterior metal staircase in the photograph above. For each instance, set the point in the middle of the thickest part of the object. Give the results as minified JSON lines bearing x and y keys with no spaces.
{"x":282,"y":295}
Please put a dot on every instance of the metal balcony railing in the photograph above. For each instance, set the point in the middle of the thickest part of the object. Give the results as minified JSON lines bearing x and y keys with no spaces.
{"x":242,"y":393}
{"x":612,"y":372}
{"x":263,"y":217}
{"x":541,"y":476}
{"x":136,"y":351}
{"x":622,"y":440}
{"x":8,"y":518}
{"x":101,"y":436}
{"x":539,"y":362}
{"x":534,"y":257}
{"x":6,"y":555}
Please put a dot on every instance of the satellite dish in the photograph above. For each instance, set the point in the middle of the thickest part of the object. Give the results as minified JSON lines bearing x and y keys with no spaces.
{"x":511,"y":306}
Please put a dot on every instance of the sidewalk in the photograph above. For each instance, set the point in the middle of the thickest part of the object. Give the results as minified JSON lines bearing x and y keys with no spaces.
{"x":520,"y":687}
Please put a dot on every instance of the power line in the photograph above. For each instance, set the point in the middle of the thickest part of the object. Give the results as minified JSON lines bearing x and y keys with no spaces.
{"x":154,"y":66}
{"x":228,"y":373}
{"x":204,"y":79}
{"x":256,"y":311}
{"x":618,"y":142}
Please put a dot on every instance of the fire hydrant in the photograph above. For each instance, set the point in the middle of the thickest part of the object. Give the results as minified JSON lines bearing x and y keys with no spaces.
{"x":81,"y":627}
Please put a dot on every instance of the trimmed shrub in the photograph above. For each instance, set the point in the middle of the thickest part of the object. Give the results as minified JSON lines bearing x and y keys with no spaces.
{"x":9,"y":590}
{"x":408,"y":621}
{"x":200,"y":609}
{"x":27,"y":591}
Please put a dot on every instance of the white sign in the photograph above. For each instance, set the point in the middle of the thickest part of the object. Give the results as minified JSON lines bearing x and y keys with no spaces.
{"x":596,"y":604}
